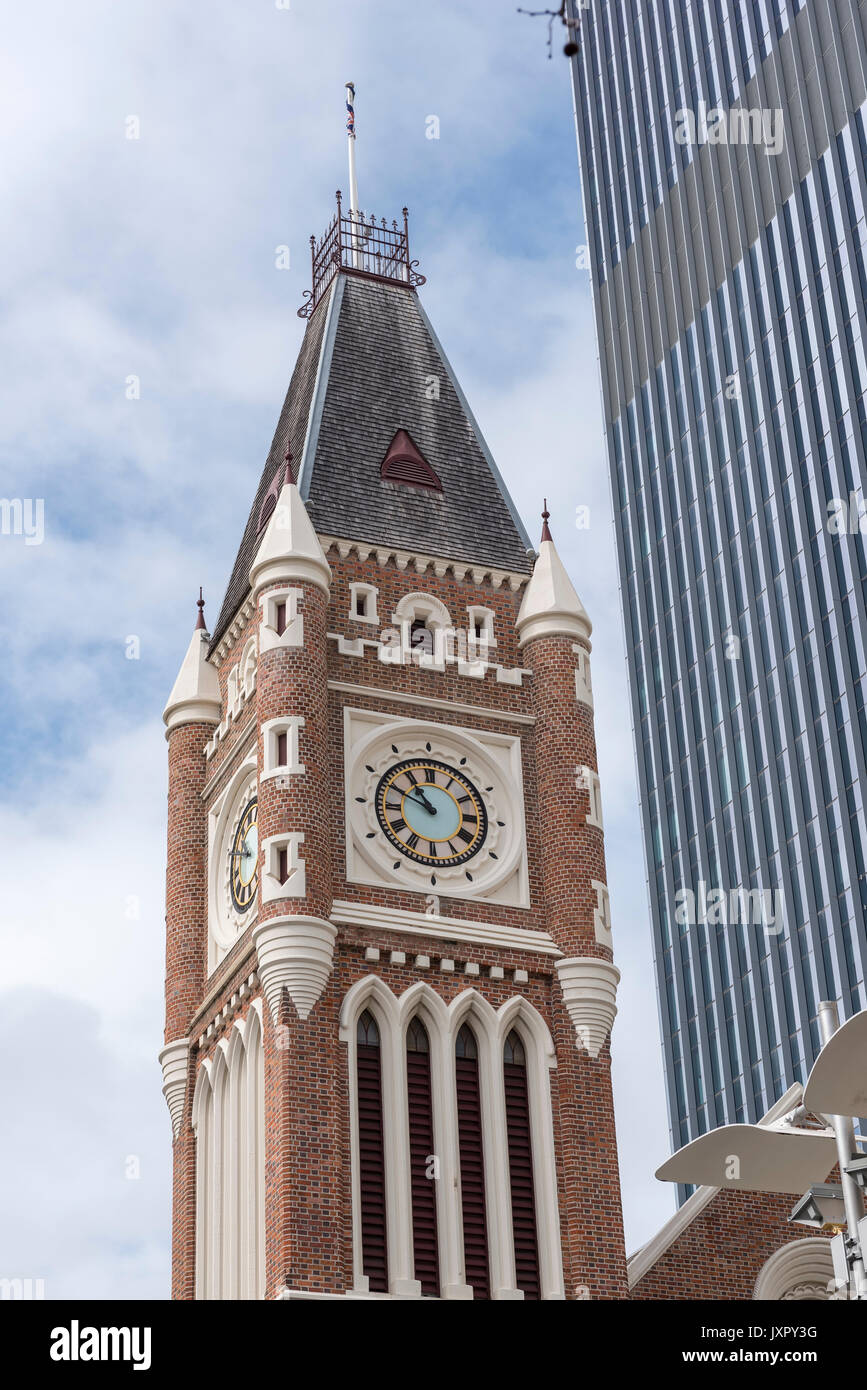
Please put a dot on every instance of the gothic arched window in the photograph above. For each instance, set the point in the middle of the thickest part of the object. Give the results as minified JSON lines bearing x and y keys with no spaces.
{"x":371,"y":1154}
{"x":521,"y":1181}
{"x":472,"y":1160}
{"x":422,"y":1159}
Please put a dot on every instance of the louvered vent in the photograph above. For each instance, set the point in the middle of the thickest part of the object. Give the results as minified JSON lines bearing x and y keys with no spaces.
{"x":371,"y":1156}
{"x":405,"y":464}
{"x":421,"y":1150}
{"x":472,"y":1159}
{"x":521,"y":1168}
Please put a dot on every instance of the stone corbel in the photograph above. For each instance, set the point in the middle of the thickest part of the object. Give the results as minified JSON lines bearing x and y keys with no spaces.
{"x":174,"y":1061}
{"x":295,"y":953}
{"x":589,"y":986}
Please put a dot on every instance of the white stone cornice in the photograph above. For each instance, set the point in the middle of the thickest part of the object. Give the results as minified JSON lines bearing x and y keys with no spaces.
{"x":440,"y":566}
{"x":444,"y":928}
{"x":174,"y":1059}
{"x":294,"y":953}
{"x":589,"y":985}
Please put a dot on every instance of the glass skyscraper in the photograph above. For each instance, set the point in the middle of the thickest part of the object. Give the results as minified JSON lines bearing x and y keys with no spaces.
{"x":722,"y":150}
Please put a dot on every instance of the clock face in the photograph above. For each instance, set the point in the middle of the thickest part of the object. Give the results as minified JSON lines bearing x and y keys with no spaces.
{"x":431,"y":812}
{"x":244,"y":852}
{"x":432,"y":807}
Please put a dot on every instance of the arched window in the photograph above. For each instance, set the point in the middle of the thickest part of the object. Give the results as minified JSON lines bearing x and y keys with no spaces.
{"x":472,"y":1161}
{"x":422,"y":1159}
{"x":229,"y":1124}
{"x":521,"y":1183}
{"x":371,"y":1154}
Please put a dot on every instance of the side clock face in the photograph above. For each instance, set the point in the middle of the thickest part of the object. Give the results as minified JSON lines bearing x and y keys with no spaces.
{"x":431,"y":812}
{"x":244,"y":872}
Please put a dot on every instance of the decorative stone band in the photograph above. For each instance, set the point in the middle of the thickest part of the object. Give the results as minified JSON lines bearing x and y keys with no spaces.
{"x":173,"y":1060}
{"x":589,"y":986}
{"x":295,"y":953}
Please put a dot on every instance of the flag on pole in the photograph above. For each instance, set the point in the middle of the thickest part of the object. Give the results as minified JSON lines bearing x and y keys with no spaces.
{"x":350,"y":110}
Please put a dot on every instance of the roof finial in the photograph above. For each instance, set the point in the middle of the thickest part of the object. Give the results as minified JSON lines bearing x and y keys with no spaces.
{"x":546,"y":534}
{"x":289,"y":475}
{"x":200,"y":620}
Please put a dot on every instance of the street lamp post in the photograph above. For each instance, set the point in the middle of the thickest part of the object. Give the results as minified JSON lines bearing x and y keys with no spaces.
{"x":844,"y":1133}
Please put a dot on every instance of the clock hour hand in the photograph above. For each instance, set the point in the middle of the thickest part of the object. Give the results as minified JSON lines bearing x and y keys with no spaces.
{"x":419,"y":794}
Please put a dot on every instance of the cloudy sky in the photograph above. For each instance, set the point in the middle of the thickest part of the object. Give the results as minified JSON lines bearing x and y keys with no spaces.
{"x":154,"y":259}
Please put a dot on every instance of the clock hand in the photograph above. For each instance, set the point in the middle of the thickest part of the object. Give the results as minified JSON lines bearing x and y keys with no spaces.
{"x":417,"y":792}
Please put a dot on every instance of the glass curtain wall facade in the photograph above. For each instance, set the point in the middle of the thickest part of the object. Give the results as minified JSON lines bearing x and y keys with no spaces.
{"x":722,"y":149}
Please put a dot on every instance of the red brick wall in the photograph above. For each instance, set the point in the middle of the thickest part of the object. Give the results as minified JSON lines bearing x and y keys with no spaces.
{"x":186,"y":943}
{"x":720,"y":1253}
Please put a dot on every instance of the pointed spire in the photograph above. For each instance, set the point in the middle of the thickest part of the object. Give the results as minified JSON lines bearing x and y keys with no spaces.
{"x":289,"y":550}
{"x":195,"y":697}
{"x":289,"y":473}
{"x":551,"y":607}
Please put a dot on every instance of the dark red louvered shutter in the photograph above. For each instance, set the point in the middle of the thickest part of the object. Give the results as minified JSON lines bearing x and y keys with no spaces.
{"x":421,"y":1152}
{"x":472,"y":1159}
{"x":521,"y":1168}
{"x":371,"y":1157}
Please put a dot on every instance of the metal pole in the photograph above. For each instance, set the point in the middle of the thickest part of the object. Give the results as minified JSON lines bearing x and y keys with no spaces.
{"x":844,"y":1133}
{"x":353,"y":182}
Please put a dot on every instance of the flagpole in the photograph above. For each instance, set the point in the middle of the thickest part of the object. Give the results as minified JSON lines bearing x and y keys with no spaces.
{"x":354,"y":212}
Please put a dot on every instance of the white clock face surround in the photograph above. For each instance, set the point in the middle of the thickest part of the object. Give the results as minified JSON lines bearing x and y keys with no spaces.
{"x":434,"y":808}
{"x":232,"y":831}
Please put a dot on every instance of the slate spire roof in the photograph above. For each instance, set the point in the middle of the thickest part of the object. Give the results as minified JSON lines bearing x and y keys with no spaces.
{"x":370,"y":365}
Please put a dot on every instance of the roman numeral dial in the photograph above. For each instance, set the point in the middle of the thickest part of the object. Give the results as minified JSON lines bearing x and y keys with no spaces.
{"x":244,"y":872}
{"x":431,"y":812}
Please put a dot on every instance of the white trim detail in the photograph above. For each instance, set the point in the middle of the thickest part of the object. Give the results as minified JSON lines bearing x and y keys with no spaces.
{"x":589,"y":986}
{"x":594,"y":789}
{"x":295,"y":883}
{"x":801,"y":1270}
{"x":375,"y":692}
{"x":229,"y":1124}
{"x":290,"y":725}
{"x":443,"y":928}
{"x":602,"y":914}
{"x":370,"y":594}
{"x":294,"y":953}
{"x":490,"y":1028}
{"x":583,"y":680}
{"x":293,"y":633}
{"x":174,"y":1060}
{"x":420,"y":563}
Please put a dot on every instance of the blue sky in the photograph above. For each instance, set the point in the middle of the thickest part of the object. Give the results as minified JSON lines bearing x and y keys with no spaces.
{"x":155,"y":258}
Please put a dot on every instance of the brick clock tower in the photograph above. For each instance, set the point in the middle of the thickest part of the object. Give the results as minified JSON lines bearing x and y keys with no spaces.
{"x":389,"y":975}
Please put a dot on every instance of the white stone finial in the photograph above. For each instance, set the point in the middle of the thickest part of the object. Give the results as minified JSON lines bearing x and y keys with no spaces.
{"x":551,"y":606}
{"x":195,"y":696}
{"x":294,"y":953}
{"x":589,"y":985}
{"x":290,"y":549}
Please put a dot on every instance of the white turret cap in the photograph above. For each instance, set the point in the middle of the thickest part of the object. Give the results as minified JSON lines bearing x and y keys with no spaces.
{"x":289,"y":549}
{"x":195,"y":697}
{"x":551,"y":606}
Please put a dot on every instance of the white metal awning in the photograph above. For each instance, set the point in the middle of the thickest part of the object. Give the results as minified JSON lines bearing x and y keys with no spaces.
{"x":764,"y":1159}
{"x":838,"y":1081}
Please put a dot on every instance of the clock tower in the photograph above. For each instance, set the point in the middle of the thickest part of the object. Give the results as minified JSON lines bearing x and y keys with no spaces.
{"x":389,"y":972}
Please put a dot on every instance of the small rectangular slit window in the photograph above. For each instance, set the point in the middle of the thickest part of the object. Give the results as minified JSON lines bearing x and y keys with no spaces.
{"x":280,"y":617}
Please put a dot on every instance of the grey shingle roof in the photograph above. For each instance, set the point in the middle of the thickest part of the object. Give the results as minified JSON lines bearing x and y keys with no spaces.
{"x":366,"y":369}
